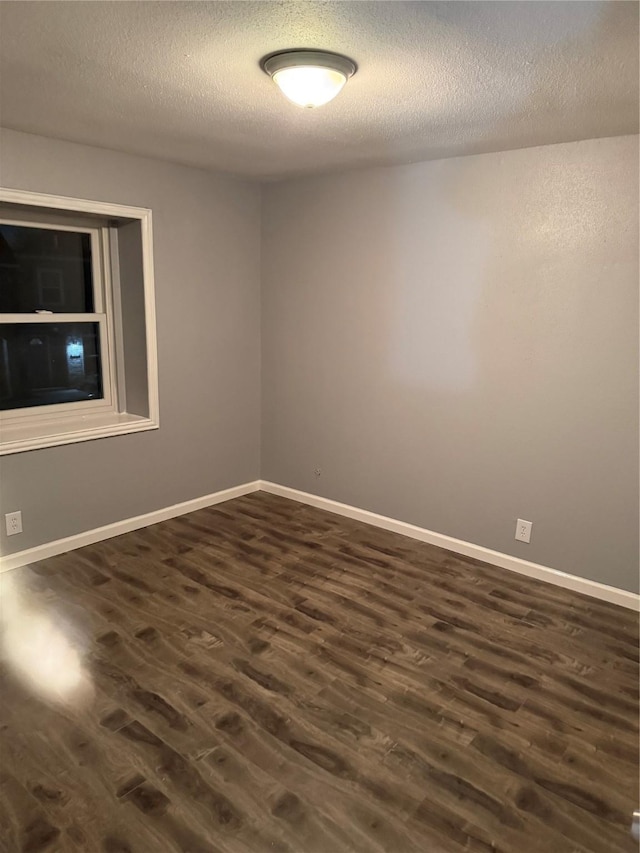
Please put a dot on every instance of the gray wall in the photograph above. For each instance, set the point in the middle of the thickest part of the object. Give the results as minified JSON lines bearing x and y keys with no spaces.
{"x":207,"y":274}
{"x":455,"y":344}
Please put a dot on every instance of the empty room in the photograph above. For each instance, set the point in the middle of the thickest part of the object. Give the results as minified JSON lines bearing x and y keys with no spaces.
{"x":319,"y":427}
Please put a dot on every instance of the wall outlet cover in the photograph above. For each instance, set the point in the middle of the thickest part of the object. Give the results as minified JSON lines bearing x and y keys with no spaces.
{"x":13,"y":523}
{"x":523,"y":530}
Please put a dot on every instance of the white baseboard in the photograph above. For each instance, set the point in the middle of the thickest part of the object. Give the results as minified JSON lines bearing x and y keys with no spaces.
{"x":70,"y":543}
{"x":496,"y":558}
{"x":459,"y":546}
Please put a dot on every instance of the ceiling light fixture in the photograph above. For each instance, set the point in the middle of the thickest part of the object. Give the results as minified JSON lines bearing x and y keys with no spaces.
{"x":309,"y":78}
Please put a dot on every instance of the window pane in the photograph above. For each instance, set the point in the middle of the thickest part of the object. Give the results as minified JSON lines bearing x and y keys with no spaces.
{"x":46,"y":363}
{"x":44,"y":270}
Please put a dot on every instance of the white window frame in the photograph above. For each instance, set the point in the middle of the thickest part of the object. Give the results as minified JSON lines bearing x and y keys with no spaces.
{"x":36,"y":427}
{"x":101,"y":315}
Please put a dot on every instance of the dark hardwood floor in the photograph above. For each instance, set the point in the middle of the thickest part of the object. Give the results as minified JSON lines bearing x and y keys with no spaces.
{"x":270,"y":677}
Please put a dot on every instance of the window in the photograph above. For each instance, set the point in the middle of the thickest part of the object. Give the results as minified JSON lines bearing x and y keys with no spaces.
{"x":54,"y":344}
{"x":77,"y":330}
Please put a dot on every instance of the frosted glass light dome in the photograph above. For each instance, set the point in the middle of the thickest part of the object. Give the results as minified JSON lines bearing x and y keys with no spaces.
{"x":309,"y":78}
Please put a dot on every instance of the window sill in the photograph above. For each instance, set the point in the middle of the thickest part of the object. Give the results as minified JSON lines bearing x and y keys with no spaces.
{"x":50,"y":432}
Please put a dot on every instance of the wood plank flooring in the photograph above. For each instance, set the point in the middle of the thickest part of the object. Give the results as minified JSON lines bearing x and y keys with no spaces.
{"x":271,"y":677}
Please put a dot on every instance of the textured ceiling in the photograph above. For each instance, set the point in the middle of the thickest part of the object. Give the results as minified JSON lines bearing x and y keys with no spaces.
{"x":181,"y":81}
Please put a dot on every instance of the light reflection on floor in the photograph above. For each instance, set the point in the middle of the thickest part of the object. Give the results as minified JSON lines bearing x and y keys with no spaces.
{"x":36,"y":643}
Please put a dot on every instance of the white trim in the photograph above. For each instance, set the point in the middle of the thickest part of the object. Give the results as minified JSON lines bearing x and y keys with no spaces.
{"x":80,"y":205}
{"x":496,"y":558}
{"x":148,"y":280}
{"x":73,"y":429}
{"x":112,"y":363}
{"x":79,"y":540}
{"x":113,"y":297}
{"x":621,"y":597}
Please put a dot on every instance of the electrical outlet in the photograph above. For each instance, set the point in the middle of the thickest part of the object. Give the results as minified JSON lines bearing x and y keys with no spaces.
{"x":13,"y":523}
{"x":523,"y":530}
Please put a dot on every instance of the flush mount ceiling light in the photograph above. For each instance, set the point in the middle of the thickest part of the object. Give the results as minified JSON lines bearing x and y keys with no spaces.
{"x":309,"y":78}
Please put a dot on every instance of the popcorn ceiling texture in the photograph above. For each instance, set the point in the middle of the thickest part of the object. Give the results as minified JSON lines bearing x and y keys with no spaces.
{"x":181,"y":80}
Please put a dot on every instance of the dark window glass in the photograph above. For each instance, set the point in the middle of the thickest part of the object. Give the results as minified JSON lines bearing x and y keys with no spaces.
{"x":46,"y":363}
{"x":44,"y":270}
